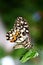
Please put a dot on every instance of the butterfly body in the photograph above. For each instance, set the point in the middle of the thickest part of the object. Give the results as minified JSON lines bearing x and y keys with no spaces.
{"x":19,"y":34}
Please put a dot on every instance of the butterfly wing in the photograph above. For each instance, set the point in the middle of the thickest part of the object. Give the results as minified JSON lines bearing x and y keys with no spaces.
{"x":9,"y":34}
{"x":23,"y":38}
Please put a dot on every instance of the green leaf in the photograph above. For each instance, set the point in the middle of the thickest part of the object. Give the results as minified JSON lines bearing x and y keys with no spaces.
{"x":29,"y":55}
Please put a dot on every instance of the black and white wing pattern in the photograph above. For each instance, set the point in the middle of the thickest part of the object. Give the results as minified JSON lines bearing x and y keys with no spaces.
{"x":20,"y":34}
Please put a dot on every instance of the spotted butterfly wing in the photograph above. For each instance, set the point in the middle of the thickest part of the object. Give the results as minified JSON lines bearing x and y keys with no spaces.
{"x":20,"y":34}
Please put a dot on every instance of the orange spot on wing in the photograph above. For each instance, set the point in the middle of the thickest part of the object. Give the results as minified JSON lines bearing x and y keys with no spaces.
{"x":15,"y":36}
{"x":17,"y":33}
{"x":13,"y":39}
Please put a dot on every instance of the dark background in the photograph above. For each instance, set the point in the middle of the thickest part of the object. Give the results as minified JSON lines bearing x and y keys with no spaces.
{"x":32,"y":10}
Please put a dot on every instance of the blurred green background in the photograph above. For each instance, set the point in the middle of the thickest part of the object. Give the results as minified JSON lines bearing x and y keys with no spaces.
{"x":32,"y":10}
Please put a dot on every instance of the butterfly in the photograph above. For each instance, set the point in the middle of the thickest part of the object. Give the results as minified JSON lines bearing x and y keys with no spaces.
{"x":20,"y":34}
